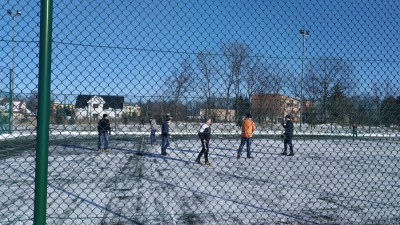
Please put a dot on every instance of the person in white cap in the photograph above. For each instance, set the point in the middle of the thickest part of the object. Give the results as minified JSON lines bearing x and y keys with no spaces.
{"x":205,"y":136}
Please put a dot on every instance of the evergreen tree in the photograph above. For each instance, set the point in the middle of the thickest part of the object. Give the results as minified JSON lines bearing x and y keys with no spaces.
{"x":338,"y":107}
{"x":390,"y":110}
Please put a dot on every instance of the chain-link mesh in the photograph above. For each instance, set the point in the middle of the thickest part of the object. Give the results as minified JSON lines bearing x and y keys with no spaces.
{"x":331,"y":66}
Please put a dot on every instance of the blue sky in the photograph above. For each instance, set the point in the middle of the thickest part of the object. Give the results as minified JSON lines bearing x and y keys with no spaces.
{"x":128,"y":47}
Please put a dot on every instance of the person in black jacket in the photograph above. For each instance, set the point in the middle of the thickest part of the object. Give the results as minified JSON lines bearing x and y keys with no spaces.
{"x":288,"y":136}
{"x":104,"y":130}
{"x":205,"y":136}
{"x":165,"y":135}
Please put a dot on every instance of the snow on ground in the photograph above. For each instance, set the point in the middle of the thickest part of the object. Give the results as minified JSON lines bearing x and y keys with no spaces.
{"x":65,"y":131}
{"x":328,"y":181}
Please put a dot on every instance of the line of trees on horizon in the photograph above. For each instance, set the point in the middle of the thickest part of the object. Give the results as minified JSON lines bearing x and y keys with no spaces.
{"x":341,"y":109}
{"x":229,"y":78}
{"x":331,"y":84}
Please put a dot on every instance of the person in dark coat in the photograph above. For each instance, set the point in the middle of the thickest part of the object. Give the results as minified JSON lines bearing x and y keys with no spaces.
{"x":165,"y":135}
{"x":354,"y":129}
{"x":288,"y":136}
{"x":153,"y":129}
{"x":204,"y":134}
{"x":104,"y":130}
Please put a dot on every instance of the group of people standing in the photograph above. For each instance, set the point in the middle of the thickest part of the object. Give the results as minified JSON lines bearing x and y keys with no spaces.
{"x":247,"y":127}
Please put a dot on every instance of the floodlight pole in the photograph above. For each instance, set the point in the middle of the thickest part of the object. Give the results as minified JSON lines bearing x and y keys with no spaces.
{"x":303,"y":33}
{"x":12,"y":74}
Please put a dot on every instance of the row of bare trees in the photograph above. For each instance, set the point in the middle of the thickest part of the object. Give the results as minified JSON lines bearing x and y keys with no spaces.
{"x":235,"y":73}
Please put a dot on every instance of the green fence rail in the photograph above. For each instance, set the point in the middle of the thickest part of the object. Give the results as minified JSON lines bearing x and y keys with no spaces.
{"x":199,"y":112}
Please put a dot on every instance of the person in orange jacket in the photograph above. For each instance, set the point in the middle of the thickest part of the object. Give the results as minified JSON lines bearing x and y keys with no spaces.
{"x":248,"y":127}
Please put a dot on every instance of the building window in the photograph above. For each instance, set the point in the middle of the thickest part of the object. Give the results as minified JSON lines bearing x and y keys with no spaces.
{"x":95,"y":106}
{"x":95,"y":115}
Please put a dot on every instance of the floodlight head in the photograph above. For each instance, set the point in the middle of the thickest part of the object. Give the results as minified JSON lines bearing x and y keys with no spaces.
{"x":19,"y":12}
{"x":304,"y":32}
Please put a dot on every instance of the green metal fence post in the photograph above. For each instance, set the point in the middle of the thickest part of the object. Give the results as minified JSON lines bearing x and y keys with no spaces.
{"x":42,"y":141}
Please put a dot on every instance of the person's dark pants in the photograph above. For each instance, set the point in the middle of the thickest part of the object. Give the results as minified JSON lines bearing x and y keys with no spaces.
{"x":164,"y":144}
{"x":204,"y":150}
{"x":288,"y":142}
{"x":354,"y":132}
{"x":153,"y":137}
{"x":246,"y":141}
{"x":103,"y":137}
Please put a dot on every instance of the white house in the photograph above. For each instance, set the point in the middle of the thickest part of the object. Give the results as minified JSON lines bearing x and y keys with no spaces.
{"x":19,"y":108}
{"x":94,"y":106}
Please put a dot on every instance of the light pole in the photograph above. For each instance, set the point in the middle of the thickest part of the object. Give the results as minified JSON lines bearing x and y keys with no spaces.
{"x":13,"y":15}
{"x":303,"y":33}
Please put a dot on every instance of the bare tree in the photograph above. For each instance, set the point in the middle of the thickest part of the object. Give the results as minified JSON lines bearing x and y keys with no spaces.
{"x":179,"y":83}
{"x":322,"y":75}
{"x":254,"y":74}
{"x":236,"y":55}
{"x":208,"y":70}
{"x":271,"y":78}
{"x":269,"y":81}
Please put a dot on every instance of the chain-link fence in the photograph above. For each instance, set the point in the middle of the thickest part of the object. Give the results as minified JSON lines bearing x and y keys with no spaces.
{"x":197,"y":96}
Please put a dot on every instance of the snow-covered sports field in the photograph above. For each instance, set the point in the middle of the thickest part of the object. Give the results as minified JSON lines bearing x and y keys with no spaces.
{"x":328,"y":181}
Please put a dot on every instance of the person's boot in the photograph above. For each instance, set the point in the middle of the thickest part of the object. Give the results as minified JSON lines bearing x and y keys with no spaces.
{"x":284,"y":153}
{"x":207,"y":163}
{"x":163,"y":152}
{"x":238,"y":156}
{"x":198,"y":161}
{"x":291,"y":153}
